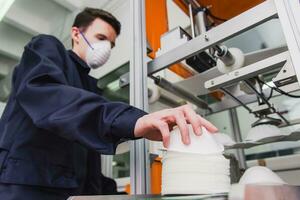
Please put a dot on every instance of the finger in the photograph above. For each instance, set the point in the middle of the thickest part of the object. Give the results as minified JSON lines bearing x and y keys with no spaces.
{"x":182,"y":125}
{"x":155,"y":136}
{"x":209,"y":126}
{"x":193,"y":119}
{"x":164,"y":130}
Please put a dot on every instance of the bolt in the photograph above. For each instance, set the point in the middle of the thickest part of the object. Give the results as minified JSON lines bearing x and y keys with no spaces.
{"x":206,"y":38}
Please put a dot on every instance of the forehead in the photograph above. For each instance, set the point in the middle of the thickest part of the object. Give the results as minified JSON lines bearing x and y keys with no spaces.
{"x":99,"y":26}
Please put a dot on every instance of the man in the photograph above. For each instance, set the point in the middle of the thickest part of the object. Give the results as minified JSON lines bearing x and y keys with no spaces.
{"x":56,"y":123}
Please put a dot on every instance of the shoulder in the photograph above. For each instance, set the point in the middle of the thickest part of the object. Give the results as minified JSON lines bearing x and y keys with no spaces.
{"x":45,"y":41}
{"x":46,"y":46}
{"x":44,"y":52}
{"x":44,"y":37}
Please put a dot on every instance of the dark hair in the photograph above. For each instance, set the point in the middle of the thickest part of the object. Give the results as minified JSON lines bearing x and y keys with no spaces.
{"x":88,"y":15}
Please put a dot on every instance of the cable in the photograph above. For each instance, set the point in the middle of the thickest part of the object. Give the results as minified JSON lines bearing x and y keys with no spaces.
{"x":271,"y":94}
{"x":287,"y":94}
{"x":261,"y":83}
{"x":280,"y":91}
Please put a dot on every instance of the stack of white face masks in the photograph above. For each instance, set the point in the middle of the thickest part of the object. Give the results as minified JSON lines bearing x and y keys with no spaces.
{"x":198,"y":168}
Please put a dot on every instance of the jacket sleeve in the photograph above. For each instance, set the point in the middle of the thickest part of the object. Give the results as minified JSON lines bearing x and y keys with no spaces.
{"x":73,"y":113}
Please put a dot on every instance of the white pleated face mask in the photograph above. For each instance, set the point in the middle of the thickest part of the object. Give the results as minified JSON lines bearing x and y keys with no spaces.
{"x":98,"y":53}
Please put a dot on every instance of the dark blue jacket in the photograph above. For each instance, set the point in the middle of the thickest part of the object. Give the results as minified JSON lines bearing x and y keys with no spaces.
{"x":56,"y":123}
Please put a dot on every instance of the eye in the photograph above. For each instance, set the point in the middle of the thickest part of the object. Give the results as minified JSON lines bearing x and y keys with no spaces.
{"x":101,"y":38}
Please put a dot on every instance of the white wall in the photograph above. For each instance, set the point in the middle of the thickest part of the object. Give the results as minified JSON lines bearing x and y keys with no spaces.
{"x":5,"y":64}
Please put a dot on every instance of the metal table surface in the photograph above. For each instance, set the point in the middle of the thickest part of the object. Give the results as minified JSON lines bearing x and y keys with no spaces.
{"x":251,"y":192}
{"x":149,"y":197}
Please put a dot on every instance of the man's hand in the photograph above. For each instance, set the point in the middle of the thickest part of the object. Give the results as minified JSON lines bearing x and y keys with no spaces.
{"x":157,"y":126}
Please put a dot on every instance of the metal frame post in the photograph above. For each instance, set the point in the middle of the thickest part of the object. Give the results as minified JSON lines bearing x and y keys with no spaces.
{"x":234,"y":122}
{"x":139,"y":157}
{"x":289,"y":14}
{"x":106,"y":165}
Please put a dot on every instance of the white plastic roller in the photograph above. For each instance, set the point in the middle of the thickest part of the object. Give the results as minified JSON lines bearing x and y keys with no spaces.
{"x":153,"y":93}
{"x":238,"y":59}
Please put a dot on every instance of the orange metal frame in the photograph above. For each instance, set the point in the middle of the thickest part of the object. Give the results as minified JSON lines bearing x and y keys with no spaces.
{"x":156,"y":25}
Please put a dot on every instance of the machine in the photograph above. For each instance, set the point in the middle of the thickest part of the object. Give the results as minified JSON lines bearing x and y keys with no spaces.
{"x":240,"y":79}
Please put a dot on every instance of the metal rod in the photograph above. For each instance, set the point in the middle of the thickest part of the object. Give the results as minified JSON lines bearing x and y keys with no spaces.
{"x":291,"y":123}
{"x":283,"y":118}
{"x":168,"y":101}
{"x":165,"y":84}
{"x":237,"y":100}
{"x":224,"y":54}
{"x":194,"y":3}
{"x":240,"y":153}
{"x":261,"y":96}
{"x":192,"y":20}
{"x":165,"y":99}
{"x":218,"y":49}
{"x":200,"y":22}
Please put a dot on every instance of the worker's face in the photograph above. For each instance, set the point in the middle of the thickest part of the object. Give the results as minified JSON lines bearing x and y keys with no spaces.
{"x":98,"y":30}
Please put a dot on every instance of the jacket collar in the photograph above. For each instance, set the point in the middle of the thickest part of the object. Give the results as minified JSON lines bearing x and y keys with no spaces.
{"x":81,"y":62}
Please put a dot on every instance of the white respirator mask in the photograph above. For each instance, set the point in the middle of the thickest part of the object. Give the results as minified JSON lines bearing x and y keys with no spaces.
{"x":98,"y":53}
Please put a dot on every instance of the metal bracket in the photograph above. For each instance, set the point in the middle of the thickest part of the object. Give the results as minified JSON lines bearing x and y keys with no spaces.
{"x":235,"y":26}
{"x":247,"y":72}
{"x":286,"y":75}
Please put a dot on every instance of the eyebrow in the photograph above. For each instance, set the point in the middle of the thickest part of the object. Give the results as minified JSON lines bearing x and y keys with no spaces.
{"x":105,"y":37}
